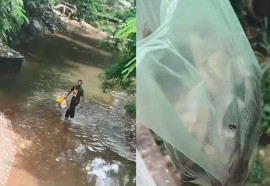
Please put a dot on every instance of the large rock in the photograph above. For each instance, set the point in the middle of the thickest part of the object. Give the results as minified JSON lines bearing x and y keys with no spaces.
{"x":10,"y":60}
{"x":38,"y":27}
{"x":44,"y":22}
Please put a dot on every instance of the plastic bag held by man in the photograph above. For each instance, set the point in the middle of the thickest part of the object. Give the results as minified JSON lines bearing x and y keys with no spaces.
{"x":198,"y":87}
{"x":62,"y":102}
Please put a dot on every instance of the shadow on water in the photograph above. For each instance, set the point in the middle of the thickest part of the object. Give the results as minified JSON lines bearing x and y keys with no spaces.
{"x":61,"y":48}
{"x":93,"y":148}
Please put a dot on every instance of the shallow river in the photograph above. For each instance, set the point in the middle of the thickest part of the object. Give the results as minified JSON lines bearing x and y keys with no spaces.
{"x":93,"y":148}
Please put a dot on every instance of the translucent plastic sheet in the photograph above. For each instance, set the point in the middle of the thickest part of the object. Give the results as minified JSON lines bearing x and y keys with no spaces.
{"x":198,"y":87}
{"x":150,"y":21}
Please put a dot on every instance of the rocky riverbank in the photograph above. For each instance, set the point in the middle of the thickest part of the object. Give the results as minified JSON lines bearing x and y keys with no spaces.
{"x":10,"y":60}
{"x":12,"y":145}
{"x":44,"y":22}
{"x":41,"y":22}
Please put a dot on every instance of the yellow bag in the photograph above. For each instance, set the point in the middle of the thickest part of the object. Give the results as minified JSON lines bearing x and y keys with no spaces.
{"x":60,"y":100}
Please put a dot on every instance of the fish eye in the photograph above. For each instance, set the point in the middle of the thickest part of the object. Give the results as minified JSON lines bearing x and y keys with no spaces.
{"x":232,"y":126}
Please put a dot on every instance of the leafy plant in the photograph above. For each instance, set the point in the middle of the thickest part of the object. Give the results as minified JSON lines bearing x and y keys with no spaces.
{"x":265,"y":120}
{"x":261,"y":44}
{"x":123,"y":73}
{"x":33,"y":6}
{"x":240,"y":9}
{"x":93,"y":12}
{"x":160,"y":143}
{"x":130,"y":108}
{"x":126,"y":29}
{"x":12,"y":16}
{"x":120,"y":74}
{"x":129,"y":68}
{"x":257,"y":173}
{"x":124,"y":37}
{"x":103,"y":14}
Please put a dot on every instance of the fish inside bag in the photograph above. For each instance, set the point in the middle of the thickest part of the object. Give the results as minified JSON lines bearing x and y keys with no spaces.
{"x":198,"y":87}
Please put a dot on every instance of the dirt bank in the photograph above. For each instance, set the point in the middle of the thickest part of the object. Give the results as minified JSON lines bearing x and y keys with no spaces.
{"x":12,"y":146}
{"x":17,"y":176}
{"x":7,"y":152}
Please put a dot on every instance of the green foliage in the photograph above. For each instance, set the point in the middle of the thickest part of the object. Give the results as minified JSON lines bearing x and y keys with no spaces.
{"x":240,"y":8}
{"x":13,"y":13}
{"x":130,"y":108}
{"x":265,"y":120}
{"x":93,"y":12}
{"x":32,"y":5}
{"x":257,"y":173}
{"x":123,"y":73}
{"x":103,"y":14}
{"x":111,"y":2}
{"x":126,"y":33}
{"x":261,"y":45}
{"x":105,"y":26}
{"x":38,"y":3}
{"x":160,"y":143}
{"x":116,"y":70}
{"x":124,"y":37}
{"x":120,"y":74}
{"x":12,"y":16}
{"x":129,"y":68}
{"x":126,"y":29}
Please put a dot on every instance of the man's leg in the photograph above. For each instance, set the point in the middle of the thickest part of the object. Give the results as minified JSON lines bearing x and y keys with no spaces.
{"x":69,"y":110}
{"x":72,"y":111}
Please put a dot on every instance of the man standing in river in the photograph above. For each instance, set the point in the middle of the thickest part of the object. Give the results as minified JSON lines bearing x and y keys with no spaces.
{"x":75,"y":100}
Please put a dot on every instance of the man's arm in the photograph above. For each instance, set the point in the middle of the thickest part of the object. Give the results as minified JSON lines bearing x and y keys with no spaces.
{"x":69,"y":92}
{"x":82,"y":101}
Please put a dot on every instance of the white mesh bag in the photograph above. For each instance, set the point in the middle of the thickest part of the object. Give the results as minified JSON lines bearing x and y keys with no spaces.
{"x":198,"y":87}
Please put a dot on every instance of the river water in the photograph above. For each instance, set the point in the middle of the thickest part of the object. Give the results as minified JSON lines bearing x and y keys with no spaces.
{"x":93,"y":148}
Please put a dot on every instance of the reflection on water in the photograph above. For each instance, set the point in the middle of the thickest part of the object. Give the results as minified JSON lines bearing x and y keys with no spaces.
{"x":91,"y":149}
